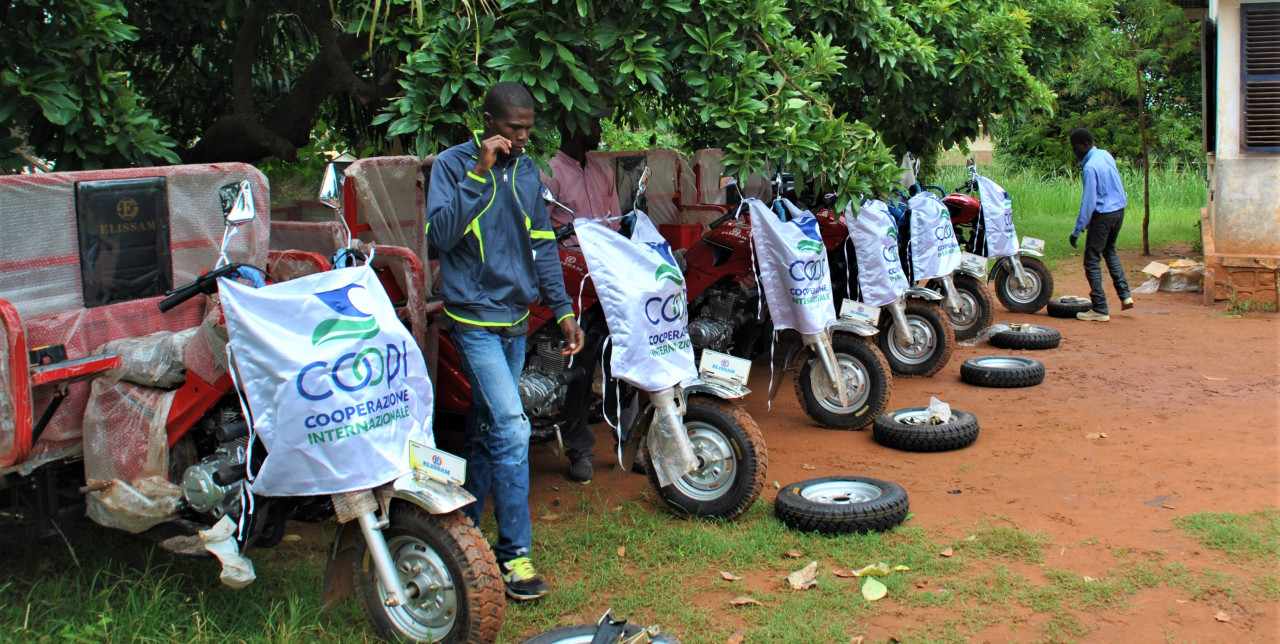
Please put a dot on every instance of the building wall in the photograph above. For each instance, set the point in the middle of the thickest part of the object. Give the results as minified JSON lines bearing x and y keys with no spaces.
{"x":1244,"y":203}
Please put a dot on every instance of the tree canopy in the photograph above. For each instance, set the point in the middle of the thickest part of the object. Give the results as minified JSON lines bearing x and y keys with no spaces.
{"x":831,"y":87}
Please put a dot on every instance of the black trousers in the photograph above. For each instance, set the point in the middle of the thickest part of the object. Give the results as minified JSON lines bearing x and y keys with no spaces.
{"x":1103,"y":229}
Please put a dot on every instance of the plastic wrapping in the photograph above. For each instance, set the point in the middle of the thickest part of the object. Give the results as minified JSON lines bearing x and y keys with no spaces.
{"x":237,"y":569}
{"x":939,"y":412}
{"x":8,"y":423}
{"x":390,"y":197}
{"x":670,"y":451}
{"x":154,"y":360}
{"x":126,"y":456}
{"x":41,"y":275}
{"x":985,"y":334}
{"x":322,"y":237}
{"x":206,"y":353}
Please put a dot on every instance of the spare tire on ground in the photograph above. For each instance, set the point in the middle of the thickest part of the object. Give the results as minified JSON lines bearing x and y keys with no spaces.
{"x":1068,"y":306}
{"x":1002,"y":371}
{"x":1028,"y":337}
{"x":842,"y":505}
{"x":910,"y":430}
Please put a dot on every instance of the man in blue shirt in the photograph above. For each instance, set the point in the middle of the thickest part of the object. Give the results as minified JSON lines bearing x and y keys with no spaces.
{"x":1101,"y":214}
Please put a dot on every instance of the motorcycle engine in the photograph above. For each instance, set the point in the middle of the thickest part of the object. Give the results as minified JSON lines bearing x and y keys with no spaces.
{"x":205,"y":495}
{"x":542,"y":391}
{"x":718,"y":314}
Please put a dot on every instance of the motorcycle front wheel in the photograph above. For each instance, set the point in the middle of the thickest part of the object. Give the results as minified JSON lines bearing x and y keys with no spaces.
{"x":1029,"y":299}
{"x":731,"y":459}
{"x":932,"y":340}
{"x":446,"y":562}
{"x":866,"y":379}
{"x":976,"y":306}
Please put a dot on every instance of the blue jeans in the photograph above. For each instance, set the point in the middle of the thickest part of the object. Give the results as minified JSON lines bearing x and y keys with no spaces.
{"x":1100,"y":244}
{"x":497,"y":441}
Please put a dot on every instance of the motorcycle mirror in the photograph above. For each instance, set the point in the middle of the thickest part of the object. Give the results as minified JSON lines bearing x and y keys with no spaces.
{"x":643,"y":183}
{"x":551,"y":199}
{"x":331,"y":187}
{"x":237,"y":203}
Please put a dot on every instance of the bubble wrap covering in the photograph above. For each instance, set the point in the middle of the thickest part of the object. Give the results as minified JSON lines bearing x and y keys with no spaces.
{"x":126,"y":456}
{"x":321,"y":237}
{"x":7,"y":424}
{"x":670,"y":181}
{"x":40,"y":270}
{"x":154,"y":360}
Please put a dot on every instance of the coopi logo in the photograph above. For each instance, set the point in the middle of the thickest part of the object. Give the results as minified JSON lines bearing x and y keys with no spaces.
{"x":362,"y":327}
{"x":365,"y":366}
{"x":668,"y":270}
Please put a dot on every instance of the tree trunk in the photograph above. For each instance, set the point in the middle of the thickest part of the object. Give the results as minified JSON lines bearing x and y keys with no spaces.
{"x":1146,"y":163}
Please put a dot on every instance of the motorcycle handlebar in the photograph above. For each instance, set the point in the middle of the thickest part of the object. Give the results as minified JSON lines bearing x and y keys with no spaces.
{"x":207,"y":283}
{"x":724,"y":218}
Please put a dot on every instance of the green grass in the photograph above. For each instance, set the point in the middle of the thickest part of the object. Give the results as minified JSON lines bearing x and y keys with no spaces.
{"x":1252,"y":538}
{"x":99,"y":585}
{"x":1046,"y":207}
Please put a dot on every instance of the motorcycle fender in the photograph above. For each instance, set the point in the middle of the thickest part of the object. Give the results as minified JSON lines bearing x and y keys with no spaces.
{"x":856,"y":328}
{"x":428,"y":494}
{"x":971,"y":272}
{"x":923,"y":293}
{"x":716,"y":387}
{"x":1028,"y":251}
{"x":339,"y":572}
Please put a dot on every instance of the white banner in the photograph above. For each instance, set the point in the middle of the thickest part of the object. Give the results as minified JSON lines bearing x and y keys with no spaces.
{"x":793,"y":268}
{"x":642,"y":292}
{"x":336,"y":385}
{"x":997,"y":217}
{"x":934,"y":251}
{"x":875,"y":242}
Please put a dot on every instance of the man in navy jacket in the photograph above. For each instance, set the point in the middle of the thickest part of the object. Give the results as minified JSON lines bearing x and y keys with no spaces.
{"x":497,"y":256}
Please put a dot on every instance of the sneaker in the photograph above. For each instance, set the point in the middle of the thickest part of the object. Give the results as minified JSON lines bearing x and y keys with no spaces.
{"x":522,"y":581}
{"x":1126,"y":304}
{"x":1093,"y":316}
{"x":580,"y":470}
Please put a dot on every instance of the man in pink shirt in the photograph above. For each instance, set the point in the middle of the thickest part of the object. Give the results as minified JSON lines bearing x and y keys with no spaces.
{"x":586,"y":186}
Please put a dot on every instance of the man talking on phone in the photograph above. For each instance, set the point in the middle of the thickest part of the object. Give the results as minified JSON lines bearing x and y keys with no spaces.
{"x":497,"y":256}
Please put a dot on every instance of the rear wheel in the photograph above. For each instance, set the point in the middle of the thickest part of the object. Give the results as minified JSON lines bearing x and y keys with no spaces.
{"x":1002,"y":371}
{"x":866,"y":380}
{"x":932,"y":340}
{"x":1068,"y":306}
{"x":731,"y":457}
{"x":446,"y":564}
{"x":1023,"y":299}
{"x":1027,"y":336}
{"x":910,"y":430}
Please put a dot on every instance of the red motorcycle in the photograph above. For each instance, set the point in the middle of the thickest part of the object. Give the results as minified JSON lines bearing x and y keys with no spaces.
{"x":723,"y":301}
{"x":557,"y":390}
{"x":1023,"y":283}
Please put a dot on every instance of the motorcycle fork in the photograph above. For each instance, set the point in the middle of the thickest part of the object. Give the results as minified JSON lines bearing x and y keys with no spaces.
{"x":949,"y":293}
{"x":371,"y":526}
{"x":898,"y":311}
{"x":1018,"y":271}
{"x":820,"y":343}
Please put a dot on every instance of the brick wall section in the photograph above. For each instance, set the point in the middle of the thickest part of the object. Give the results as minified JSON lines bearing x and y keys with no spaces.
{"x":1236,"y":276}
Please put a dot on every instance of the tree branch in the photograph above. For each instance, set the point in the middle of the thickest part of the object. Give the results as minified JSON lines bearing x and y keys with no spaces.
{"x":786,"y":79}
{"x":242,"y":59}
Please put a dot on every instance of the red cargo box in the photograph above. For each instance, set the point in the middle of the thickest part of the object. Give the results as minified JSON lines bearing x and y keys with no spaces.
{"x":680,"y":235}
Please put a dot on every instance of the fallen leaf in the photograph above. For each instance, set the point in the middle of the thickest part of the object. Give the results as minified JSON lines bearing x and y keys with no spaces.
{"x":1168,"y":507}
{"x":922,"y":583}
{"x":873,"y":590}
{"x":550,"y":517}
{"x":1222,"y":617}
{"x":1088,"y":579}
{"x":728,"y":576}
{"x":738,"y":637}
{"x":777,"y":485}
{"x":806,"y":466}
{"x":840,"y":572}
{"x":972,"y":537}
{"x":555,"y":487}
{"x":794,"y":554}
{"x":804,"y":578}
{"x":857,"y":639}
{"x":946,"y":553}
{"x":877,"y":570}
{"x":743,"y":601}
{"x":622,"y":551}
{"x":901,"y":567}
{"x":1212,"y":378}
{"x":1096,"y":435}
{"x":291,"y":537}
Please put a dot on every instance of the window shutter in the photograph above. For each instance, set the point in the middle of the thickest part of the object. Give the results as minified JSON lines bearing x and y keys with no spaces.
{"x":1260,"y":67}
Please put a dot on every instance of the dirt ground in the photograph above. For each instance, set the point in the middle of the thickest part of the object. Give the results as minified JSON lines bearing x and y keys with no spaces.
{"x":1189,"y":401}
